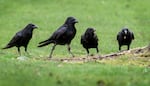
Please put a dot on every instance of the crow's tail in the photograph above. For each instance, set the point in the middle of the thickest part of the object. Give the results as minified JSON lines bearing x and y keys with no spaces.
{"x":7,"y":46}
{"x":44,"y":43}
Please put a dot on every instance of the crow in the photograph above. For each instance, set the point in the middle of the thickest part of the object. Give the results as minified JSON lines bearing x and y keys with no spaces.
{"x":89,"y":40}
{"x":62,"y":36}
{"x":21,"y":38}
{"x":125,"y":37}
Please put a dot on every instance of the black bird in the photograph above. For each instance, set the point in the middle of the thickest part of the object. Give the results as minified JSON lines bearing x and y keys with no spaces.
{"x":89,"y":40}
{"x":62,"y":36}
{"x":21,"y":38}
{"x":125,"y":37}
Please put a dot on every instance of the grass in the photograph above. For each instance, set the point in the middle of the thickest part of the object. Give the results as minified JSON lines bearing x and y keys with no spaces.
{"x":107,"y":17}
{"x":50,"y":15}
{"x":82,"y":74}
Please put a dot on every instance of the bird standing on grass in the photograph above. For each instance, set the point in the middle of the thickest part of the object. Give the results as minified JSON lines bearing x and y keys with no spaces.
{"x":62,"y":36}
{"x":21,"y":38}
{"x":125,"y":37}
{"x":89,"y":40}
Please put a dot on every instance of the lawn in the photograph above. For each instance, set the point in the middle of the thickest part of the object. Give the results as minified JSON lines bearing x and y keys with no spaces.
{"x":106,"y":16}
{"x":45,"y":73}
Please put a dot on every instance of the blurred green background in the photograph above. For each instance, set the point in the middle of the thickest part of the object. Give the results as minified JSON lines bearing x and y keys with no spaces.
{"x":108,"y":17}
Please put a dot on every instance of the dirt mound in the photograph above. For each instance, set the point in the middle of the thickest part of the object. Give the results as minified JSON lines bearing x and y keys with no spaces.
{"x":139,"y":52}
{"x":144,"y":51}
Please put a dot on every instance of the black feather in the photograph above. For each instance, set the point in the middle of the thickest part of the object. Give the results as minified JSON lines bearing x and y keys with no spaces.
{"x":63,"y":35}
{"x":125,"y":37}
{"x":89,"y":40}
{"x":21,"y":38}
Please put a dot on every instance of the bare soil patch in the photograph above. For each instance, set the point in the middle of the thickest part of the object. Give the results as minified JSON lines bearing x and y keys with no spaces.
{"x":136,"y":52}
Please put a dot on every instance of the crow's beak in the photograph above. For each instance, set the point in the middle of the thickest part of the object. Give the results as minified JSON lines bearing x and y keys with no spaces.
{"x":125,"y":31}
{"x":94,"y":31}
{"x":35,"y":27}
{"x":76,"y":21}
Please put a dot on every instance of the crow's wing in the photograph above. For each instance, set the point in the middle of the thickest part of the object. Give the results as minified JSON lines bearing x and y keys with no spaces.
{"x":132,"y":35}
{"x":15,"y":39}
{"x":82,"y":39}
{"x":60,"y":32}
{"x":95,"y":37}
{"x":118,"y":35}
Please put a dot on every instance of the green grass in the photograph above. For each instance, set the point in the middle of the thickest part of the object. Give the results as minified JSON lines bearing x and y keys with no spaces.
{"x":106,"y":16}
{"x":39,"y":73}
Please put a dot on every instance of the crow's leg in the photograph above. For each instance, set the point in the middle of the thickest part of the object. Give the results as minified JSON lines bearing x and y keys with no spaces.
{"x":26,"y":49}
{"x":69,"y":49}
{"x":87,"y":50}
{"x":97,"y":49}
{"x":50,"y":56}
{"x":128,"y":47}
{"x":97,"y":52}
{"x":19,"y":51}
{"x":119,"y":47}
